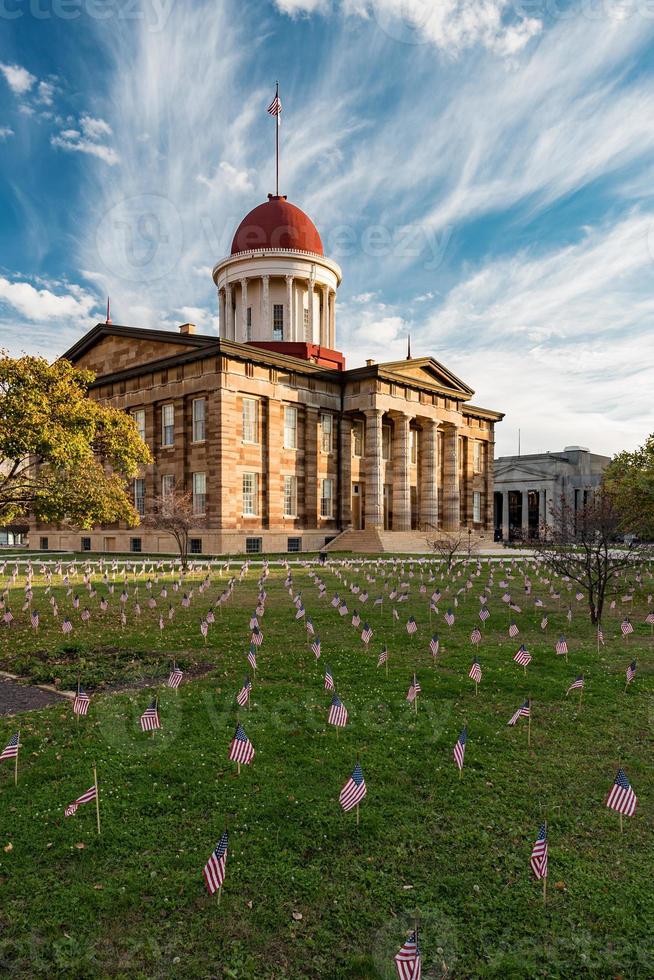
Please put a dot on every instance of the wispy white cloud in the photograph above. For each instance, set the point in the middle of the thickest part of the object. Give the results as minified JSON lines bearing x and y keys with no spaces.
{"x":5,"y":132}
{"x":88,"y":139}
{"x":19,"y":79}
{"x":229,"y":178}
{"x":43,"y":304}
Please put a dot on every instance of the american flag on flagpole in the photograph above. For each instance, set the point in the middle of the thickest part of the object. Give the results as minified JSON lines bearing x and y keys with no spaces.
{"x":150,"y":718}
{"x":275,"y":108}
{"x":523,"y":711}
{"x":81,"y":703}
{"x":577,"y":684}
{"x":622,"y":798}
{"x":337,"y":713}
{"x":241,"y":749}
{"x":538,"y":858}
{"x":214,"y":869}
{"x":84,"y":798}
{"x":460,"y":749}
{"x":408,"y":962}
{"x":354,"y":790}
{"x":10,"y":751}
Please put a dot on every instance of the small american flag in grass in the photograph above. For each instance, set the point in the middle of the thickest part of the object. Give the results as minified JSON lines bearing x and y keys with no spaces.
{"x":460,"y":748}
{"x":383,"y":657}
{"x":577,"y":684}
{"x":34,"y":619}
{"x":241,"y":749}
{"x":214,"y":869}
{"x":631,"y":671}
{"x":366,"y":634}
{"x":329,"y":679}
{"x":513,"y":630}
{"x":252,"y":657}
{"x":337,"y":713}
{"x":243,"y":695}
{"x":150,"y":718}
{"x":523,"y":657}
{"x":10,"y":751}
{"x":561,"y":645}
{"x":315,"y":648}
{"x":256,"y":637}
{"x":538,"y":860}
{"x":414,"y":690}
{"x":523,"y":711}
{"x":90,"y":794}
{"x":408,"y":962}
{"x":622,"y":798}
{"x":484,"y":614}
{"x":475,"y":671}
{"x":543,"y":623}
{"x":411,"y":626}
{"x":175,"y":678}
{"x":475,"y":636}
{"x":626,"y":626}
{"x":66,"y":626}
{"x":354,"y":790}
{"x":449,"y":617}
{"x":434,"y":645}
{"x":81,"y":703}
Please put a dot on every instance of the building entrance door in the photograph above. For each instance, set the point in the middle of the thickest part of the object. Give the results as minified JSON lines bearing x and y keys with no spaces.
{"x":356,"y":506}
{"x":388,"y":506}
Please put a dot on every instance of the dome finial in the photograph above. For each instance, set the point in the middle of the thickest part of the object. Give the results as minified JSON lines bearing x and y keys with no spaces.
{"x":408,"y":347}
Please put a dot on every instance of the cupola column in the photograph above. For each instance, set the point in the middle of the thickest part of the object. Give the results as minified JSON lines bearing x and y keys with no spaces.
{"x":244,"y":310}
{"x":310,"y":301}
{"x":229,"y":312}
{"x":289,"y":326}
{"x":331,"y":339}
{"x":265,"y":332}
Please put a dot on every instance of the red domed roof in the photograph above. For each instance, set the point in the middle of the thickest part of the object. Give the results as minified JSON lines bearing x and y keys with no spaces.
{"x":277,"y":224}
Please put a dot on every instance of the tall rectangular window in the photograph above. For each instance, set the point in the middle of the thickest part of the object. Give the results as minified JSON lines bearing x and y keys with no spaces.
{"x":307,"y":327}
{"x":139,"y":496}
{"x":476,"y":507}
{"x":386,"y":442}
{"x":199,"y":493}
{"x":250,"y":494}
{"x":199,"y":413}
{"x":357,"y":438}
{"x":248,"y":324}
{"x":414,"y":445}
{"x":167,"y":425}
{"x":290,"y":427}
{"x":139,"y":421}
{"x":327,"y":433}
{"x":250,"y":420}
{"x":278,"y":321}
{"x":290,"y":496}
{"x":167,"y":485}
{"x":326,"y":498}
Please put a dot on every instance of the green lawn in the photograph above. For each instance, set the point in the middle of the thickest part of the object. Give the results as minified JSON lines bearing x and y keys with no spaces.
{"x":453,"y":854}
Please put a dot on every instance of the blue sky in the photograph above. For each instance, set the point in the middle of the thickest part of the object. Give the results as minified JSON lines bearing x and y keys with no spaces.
{"x":482,"y":171}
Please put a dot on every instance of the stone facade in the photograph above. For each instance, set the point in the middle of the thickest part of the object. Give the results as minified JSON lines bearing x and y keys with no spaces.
{"x":526,"y":488}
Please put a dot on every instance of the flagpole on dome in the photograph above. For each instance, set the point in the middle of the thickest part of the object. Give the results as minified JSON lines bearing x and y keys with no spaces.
{"x":275,"y":109}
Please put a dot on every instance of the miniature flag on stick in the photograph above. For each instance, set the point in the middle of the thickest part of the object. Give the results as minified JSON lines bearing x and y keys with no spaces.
{"x":538,"y":860}
{"x":622,"y":798}
{"x":353,"y":791}
{"x":214,"y":869}
{"x":408,"y":961}
{"x":10,"y":751}
{"x":460,"y":750}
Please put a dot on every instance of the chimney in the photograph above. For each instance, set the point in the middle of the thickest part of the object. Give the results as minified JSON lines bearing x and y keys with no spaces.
{"x":369,"y":362}
{"x":187,"y":328}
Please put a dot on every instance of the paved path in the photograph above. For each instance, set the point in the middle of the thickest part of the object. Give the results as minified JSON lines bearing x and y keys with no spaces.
{"x":22,"y":697}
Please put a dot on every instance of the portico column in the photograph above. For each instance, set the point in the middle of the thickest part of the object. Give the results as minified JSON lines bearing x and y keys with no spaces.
{"x":505,"y":515}
{"x":289,"y":331}
{"x":373,"y":451}
{"x":451,"y":502}
{"x":265,"y":332}
{"x":244,"y":309}
{"x":525,"y":514}
{"x":345,"y":487}
{"x":428,"y":470}
{"x":229,"y":310}
{"x":311,"y":310}
{"x":324,"y":319}
{"x":401,"y":487}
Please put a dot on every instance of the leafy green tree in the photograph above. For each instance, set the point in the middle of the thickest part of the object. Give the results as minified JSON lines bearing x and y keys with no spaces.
{"x":629,"y":478}
{"x":64,"y":458}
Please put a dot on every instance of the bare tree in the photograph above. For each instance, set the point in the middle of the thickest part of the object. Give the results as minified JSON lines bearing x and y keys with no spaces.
{"x":448,"y":546}
{"x":173,"y":514}
{"x":583,"y":545}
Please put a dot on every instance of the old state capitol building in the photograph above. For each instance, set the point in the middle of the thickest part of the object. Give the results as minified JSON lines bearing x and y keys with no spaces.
{"x":283,"y":448}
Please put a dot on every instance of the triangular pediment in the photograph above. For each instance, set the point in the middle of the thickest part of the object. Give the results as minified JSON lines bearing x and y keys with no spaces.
{"x":107,"y":349}
{"x":518,"y":474}
{"x":430,"y":371}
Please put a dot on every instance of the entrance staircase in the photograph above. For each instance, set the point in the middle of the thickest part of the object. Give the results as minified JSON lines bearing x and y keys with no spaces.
{"x":374,"y":541}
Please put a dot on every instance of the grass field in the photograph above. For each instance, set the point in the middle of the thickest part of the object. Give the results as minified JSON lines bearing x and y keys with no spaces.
{"x":307,"y":892}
